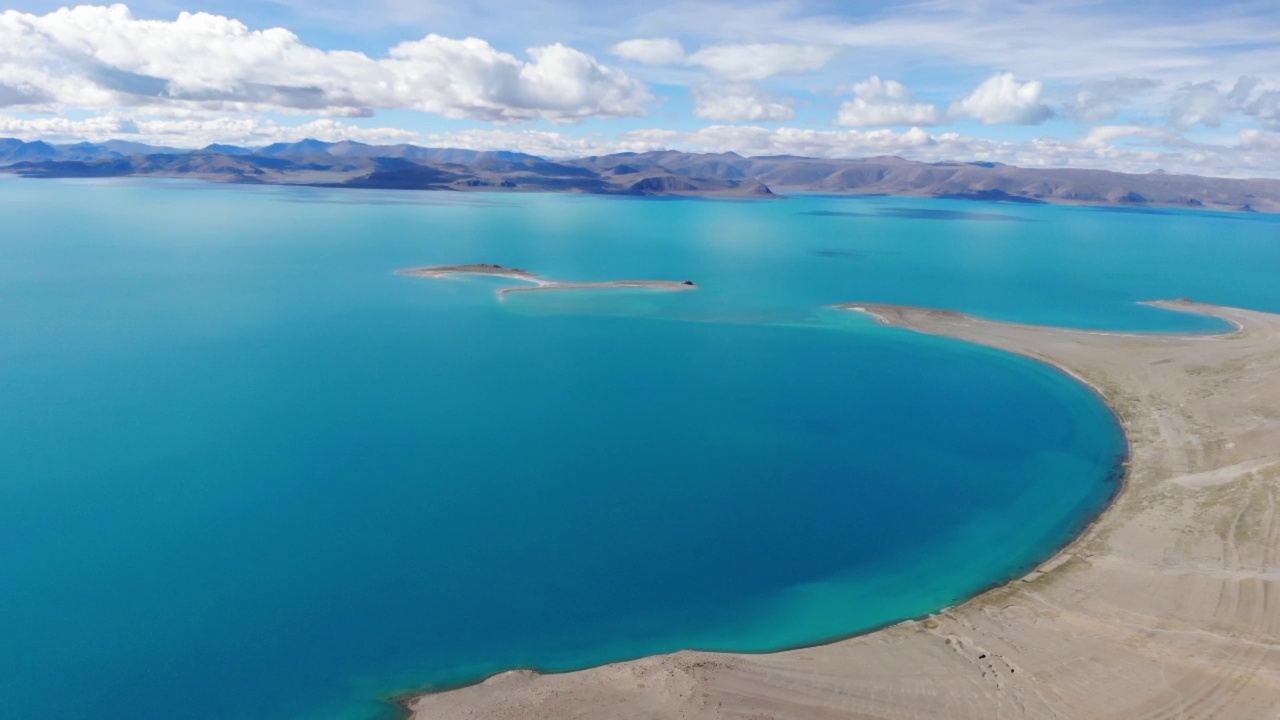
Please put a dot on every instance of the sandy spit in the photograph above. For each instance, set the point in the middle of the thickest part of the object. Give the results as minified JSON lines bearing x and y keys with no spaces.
{"x":1167,"y":607}
{"x":539,"y":282}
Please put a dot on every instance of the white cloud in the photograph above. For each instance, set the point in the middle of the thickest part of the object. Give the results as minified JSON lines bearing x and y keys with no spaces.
{"x":1203,"y":103}
{"x":103,"y":57}
{"x":1258,"y":140}
{"x":762,"y":60}
{"x":885,"y":102}
{"x":1256,"y":156}
{"x":1266,"y":109}
{"x":1102,"y":135}
{"x":1254,"y":98}
{"x":200,"y":130}
{"x":60,"y":129}
{"x":1002,"y":100}
{"x":753,"y":140}
{"x":195,"y":131}
{"x":738,"y":63}
{"x":1100,"y":100}
{"x":1050,"y":41}
{"x":541,"y":142}
{"x":651,"y":51}
{"x":1197,"y":104}
{"x":738,"y":102}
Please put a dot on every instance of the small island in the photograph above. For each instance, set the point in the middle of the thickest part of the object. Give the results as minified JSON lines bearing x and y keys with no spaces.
{"x":541,"y":283}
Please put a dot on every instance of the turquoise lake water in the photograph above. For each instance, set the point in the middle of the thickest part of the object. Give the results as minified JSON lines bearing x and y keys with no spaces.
{"x":248,"y":472}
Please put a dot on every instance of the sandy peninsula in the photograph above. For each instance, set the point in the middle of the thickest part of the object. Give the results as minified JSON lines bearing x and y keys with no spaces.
{"x":537,"y":282}
{"x":1167,"y":607}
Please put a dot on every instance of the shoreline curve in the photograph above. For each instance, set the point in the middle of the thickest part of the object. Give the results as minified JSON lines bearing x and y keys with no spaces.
{"x":1109,"y":620}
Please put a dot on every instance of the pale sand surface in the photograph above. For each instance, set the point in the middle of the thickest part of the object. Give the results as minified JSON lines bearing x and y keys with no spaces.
{"x":1167,"y":607}
{"x":539,"y":282}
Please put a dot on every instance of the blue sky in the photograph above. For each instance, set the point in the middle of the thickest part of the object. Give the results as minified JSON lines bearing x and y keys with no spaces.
{"x":1136,"y":86}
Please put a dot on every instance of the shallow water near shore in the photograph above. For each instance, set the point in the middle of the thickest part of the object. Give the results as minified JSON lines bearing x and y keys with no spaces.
{"x":249,"y":473}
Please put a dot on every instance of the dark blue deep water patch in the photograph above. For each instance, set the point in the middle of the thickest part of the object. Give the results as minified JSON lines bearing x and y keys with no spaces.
{"x":835,"y":213}
{"x":948,"y":214}
{"x":248,"y":473}
{"x":931,"y":213}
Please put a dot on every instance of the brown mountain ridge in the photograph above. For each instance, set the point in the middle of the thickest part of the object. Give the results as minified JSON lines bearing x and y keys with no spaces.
{"x":410,"y":167}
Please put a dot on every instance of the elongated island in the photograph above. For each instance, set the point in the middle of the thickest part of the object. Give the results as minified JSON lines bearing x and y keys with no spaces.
{"x":538,"y":282}
{"x":1167,"y":607}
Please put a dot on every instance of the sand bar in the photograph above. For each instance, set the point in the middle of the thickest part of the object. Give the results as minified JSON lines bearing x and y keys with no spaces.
{"x":1167,"y":607}
{"x":538,"y":282}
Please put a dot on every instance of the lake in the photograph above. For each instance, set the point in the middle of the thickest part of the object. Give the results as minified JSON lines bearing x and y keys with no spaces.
{"x":249,"y":473}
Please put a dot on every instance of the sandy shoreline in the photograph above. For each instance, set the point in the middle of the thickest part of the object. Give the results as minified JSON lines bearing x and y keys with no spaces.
{"x":1167,"y":606}
{"x":540,"y":283}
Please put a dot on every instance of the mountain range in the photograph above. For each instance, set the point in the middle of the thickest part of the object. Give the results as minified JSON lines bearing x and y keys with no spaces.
{"x":410,"y":167}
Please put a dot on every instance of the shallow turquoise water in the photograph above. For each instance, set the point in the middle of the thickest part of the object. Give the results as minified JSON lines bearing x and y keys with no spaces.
{"x":248,"y":471}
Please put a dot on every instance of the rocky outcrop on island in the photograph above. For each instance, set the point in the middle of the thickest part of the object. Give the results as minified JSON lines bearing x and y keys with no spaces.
{"x":409,"y":167}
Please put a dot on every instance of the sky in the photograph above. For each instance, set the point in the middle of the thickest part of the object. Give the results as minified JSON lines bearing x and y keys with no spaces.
{"x":1133,"y":85}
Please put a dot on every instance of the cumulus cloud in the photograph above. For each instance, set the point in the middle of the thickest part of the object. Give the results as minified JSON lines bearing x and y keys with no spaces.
{"x":738,"y":102}
{"x":1204,"y":103}
{"x":1100,"y":100}
{"x":1197,"y":104}
{"x":761,"y":60}
{"x":103,"y":57}
{"x":201,"y":130}
{"x":1164,"y":150}
{"x":651,"y":51}
{"x":543,"y":143}
{"x":739,"y":63}
{"x":1266,"y":109}
{"x":22,"y":94}
{"x":1257,"y":140}
{"x":808,"y":142}
{"x":1104,"y":134}
{"x":1002,"y":100}
{"x":195,"y":131}
{"x":885,"y":102}
{"x":1253,"y":98}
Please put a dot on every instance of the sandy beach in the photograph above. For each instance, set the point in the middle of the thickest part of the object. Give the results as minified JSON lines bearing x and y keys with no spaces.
{"x":540,"y":283}
{"x":1167,"y":607}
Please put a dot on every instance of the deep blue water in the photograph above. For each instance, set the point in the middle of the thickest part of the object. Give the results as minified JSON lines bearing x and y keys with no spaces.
{"x":247,"y":471}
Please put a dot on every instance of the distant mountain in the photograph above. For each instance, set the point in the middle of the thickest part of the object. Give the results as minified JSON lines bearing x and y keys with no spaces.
{"x":12,"y":151}
{"x":668,"y":172}
{"x":988,"y":181}
{"x":219,"y":149}
{"x":351,"y":164}
{"x":126,"y":147}
{"x":302,"y":148}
